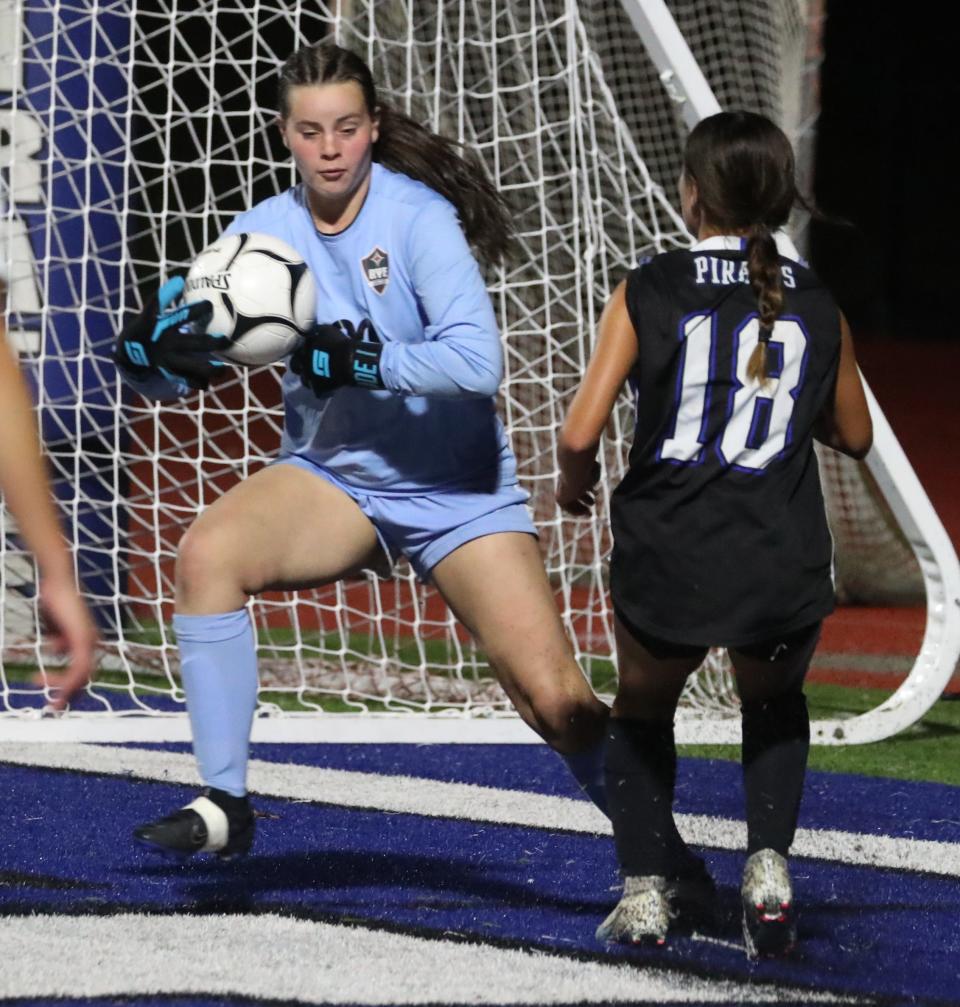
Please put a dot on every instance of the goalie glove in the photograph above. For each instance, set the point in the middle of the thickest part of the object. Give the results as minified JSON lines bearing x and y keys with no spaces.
{"x":329,"y":358}
{"x":170,"y":341}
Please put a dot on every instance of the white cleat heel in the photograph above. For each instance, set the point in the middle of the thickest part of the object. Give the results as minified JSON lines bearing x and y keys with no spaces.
{"x":769,"y":927}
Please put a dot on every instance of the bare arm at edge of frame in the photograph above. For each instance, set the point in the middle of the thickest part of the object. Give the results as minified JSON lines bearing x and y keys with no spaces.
{"x":26,"y":488}
{"x":614,"y":355}
{"x":845,"y":423}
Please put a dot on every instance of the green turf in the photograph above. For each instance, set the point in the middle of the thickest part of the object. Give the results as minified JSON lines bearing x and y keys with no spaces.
{"x":930,"y":750}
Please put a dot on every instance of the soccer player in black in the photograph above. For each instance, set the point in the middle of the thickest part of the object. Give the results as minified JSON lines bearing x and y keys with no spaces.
{"x":738,"y":358}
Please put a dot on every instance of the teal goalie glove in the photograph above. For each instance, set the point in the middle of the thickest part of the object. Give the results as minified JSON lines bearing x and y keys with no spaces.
{"x":170,"y":341}
{"x":330,"y":358}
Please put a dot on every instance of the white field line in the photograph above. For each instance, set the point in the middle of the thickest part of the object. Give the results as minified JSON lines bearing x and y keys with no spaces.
{"x":276,"y":958}
{"x":28,"y":726}
{"x":419,"y":796}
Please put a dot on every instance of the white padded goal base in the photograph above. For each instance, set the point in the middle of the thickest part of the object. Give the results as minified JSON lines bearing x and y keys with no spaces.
{"x":346,"y":728}
{"x":302,"y":729}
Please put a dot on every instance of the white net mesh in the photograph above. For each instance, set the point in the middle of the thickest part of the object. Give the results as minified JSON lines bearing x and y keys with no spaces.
{"x":131,"y":134}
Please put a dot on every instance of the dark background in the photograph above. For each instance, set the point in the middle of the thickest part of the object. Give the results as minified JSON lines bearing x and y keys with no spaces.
{"x":890,"y":84}
{"x":889,"y":108}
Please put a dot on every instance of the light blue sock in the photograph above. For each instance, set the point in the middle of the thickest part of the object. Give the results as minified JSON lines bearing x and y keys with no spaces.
{"x":587,"y":769}
{"x":218,"y":667}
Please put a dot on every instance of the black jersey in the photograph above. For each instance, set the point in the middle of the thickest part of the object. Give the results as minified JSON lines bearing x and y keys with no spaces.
{"x":720,"y":535}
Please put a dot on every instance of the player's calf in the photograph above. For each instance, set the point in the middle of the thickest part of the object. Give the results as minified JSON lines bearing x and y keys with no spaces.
{"x":216,"y":822}
{"x":694,"y":896}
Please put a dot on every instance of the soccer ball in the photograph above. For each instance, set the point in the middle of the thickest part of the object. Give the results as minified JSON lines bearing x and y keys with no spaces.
{"x":262,"y":294}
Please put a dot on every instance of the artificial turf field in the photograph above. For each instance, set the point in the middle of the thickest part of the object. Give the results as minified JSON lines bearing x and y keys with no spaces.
{"x":451,"y":874}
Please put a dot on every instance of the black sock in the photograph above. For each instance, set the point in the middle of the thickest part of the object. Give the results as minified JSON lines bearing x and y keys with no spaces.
{"x":776,"y":741}
{"x":234,"y":807}
{"x":640,"y":771}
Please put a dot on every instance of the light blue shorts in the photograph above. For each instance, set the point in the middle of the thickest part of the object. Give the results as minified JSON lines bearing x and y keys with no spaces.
{"x":427,"y":527}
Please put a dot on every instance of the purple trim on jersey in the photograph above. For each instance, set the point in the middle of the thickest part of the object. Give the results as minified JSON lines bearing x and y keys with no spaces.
{"x":678,"y":390}
{"x":775,"y":360}
{"x":735,"y":385}
{"x":763,"y":408}
{"x":801,"y":377}
{"x":711,"y":378}
{"x":759,"y":423}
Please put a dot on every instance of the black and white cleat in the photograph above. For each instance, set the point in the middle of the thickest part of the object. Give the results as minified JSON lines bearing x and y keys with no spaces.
{"x":216,"y":822}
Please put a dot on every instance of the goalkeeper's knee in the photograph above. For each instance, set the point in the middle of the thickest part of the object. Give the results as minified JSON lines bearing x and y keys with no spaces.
{"x":569,"y":723}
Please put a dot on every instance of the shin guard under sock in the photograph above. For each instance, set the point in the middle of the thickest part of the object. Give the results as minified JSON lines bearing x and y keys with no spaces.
{"x":588,"y":770}
{"x":641,"y":770}
{"x":218,"y":667}
{"x":776,"y":742}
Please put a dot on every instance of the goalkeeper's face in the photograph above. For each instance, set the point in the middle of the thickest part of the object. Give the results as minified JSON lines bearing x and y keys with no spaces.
{"x":330,"y":133}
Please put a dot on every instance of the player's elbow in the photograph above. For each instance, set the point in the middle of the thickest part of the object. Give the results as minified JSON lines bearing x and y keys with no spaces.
{"x":577,"y":438}
{"x":853,"y":446}
{"x":847,"y":430}
{"x":574,"y":440}
{"x":478,"y":376}
{"x":859,"y":446}
{"x":853,"y":436}
{"x":486,"y":384}
{"x":442,"y":369}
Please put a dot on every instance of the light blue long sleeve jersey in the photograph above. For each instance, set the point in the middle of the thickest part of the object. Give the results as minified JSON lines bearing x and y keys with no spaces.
{"x":402,"y":273}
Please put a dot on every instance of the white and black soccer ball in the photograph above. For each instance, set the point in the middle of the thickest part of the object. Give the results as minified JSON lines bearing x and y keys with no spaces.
{"x":262,"y":293}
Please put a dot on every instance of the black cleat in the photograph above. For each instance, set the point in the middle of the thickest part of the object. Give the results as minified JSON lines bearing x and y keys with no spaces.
{"x":216,"y":822}
{"x":769,"y":926}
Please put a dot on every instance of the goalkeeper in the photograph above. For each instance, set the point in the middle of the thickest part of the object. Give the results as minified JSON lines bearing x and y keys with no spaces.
{"x":391,"y":443}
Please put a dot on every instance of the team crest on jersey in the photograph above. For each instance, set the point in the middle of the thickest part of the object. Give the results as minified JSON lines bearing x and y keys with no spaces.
{"x":376,"y":269}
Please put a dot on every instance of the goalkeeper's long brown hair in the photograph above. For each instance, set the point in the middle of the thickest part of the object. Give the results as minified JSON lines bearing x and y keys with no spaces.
{"x":408,"y":147}
{"x":743,"y":166}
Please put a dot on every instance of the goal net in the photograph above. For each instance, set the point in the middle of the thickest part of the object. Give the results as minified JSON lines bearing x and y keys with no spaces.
{"x":131,"y":133}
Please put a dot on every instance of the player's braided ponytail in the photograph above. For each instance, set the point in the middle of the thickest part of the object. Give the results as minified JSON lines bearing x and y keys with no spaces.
{"x":766,"y":281}
{"x":404,"y":145}
{"x":744,"y":170}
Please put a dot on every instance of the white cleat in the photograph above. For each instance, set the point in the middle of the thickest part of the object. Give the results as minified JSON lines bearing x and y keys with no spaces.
{"x":769,"y":927}
{"x":643,"y":914}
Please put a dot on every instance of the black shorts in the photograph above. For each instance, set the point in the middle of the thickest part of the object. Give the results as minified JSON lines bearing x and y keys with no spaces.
{"x":662,"y":650}
{"x":765,"y":650}
{"x":785,"y":645}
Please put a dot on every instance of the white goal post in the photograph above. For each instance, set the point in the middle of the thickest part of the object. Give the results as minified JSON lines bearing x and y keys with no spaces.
{"x":129,"y":136}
